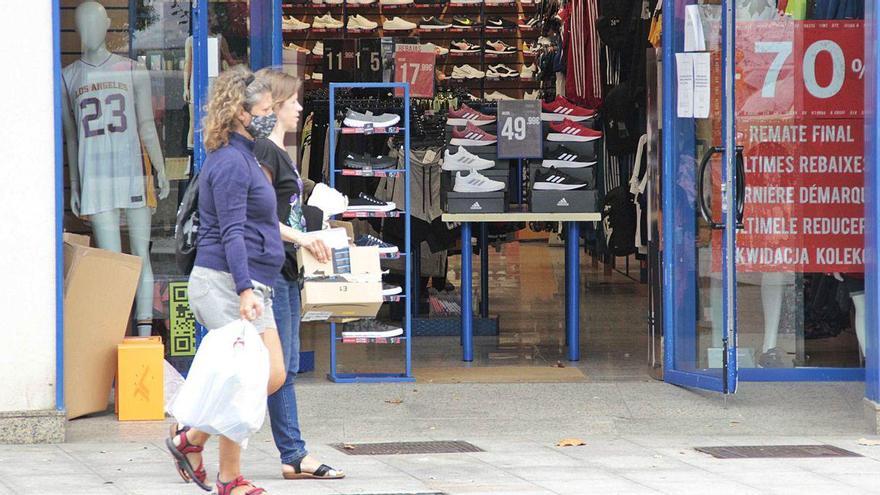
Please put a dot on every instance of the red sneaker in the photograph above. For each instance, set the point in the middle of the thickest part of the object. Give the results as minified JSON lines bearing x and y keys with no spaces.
{"x":471,"y":135}
{"x":466,"y":114}
{"x":572,"y":132}
{"x":561,"y":109}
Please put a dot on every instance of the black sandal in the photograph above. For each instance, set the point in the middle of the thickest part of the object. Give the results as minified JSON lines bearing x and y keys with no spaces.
{"x":324,"y":472}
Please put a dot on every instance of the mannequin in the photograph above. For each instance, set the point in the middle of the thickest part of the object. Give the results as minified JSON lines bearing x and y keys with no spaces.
{"x":108,"y":117}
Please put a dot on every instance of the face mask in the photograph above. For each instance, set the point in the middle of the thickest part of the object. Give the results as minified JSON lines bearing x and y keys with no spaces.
{"x":261,"y":125}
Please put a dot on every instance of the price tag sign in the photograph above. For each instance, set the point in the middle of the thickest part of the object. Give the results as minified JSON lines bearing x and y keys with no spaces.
{"x":416,"y":67}
{"x":519,"y":129}
{"x":368,"y":60}
{"x":339,"y":60}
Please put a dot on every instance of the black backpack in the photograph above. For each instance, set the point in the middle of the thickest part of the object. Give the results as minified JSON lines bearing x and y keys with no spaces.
{"x":186,"y":228}
{"x":619,"y":221}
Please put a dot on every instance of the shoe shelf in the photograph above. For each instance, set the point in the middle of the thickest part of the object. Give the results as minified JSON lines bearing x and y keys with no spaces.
{"x":373,"y":214}
{"x":371,"y":340}
{"x":367,"y":172}
{"x":368,"y":131}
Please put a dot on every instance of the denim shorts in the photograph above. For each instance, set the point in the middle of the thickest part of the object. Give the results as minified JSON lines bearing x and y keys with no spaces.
{"x":215,"y":304}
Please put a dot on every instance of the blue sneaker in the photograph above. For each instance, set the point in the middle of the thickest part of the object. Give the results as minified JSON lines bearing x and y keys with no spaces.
{"x":369,"y":240}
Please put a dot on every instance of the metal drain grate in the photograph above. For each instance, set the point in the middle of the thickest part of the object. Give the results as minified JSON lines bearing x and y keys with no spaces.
{"x":404,"y":448}
{"x":776,"y":451}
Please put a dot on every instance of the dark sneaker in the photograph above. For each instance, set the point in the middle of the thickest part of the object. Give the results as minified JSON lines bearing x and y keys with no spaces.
{"x":373,"y":241}
{"x":553,"y":180}
{"x":562,"y":157}
{"x":433,"y":23}
{"x":365,"y":160}
{"x":500,"y":23}
{"x":461,"y":21}
{"x":370,"y":329}
{"x":463,"y":47}
{"x":366,"y":202}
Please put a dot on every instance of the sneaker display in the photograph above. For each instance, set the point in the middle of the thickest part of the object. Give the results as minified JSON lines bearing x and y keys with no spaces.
{"x":463,"y":161}
{"x":568,"y":131}
{"x":554,"y":180}
{"x":318,"y":49}
{"x":398,"y":24}
{"x":463,"y":47}
{"x":528,"y":71}
{"x":373,"y":241}
{"x":326,"y":21}
{"x":466,"y":114}
{"x":358,"y":22}
{"x":391,"y":290}
{"x":499,"y":23}
{"x":395,"y":2}
{"x":365,"y":160}
{"x":370,"y":329}
{"x":296,"y":48}
{"x":357,"y":119}
{"x":290,"y":23}
{"x":562,"y":157}
{"x":461,"y":21}
{"x":366,"y":202}
{"x":501,"y":71}
{"x":439,"y":50}
{"x":475,"y":182}
{"x":471,"y":135}
{"x":498,"y":96}
{"x":467,"y":72}
{"x":561,"y":109}
{"x":433,"y":23}
{"x":499,"y":47}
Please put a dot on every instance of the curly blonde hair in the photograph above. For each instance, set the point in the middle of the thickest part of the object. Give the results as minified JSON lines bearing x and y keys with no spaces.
{"x":234,"y":90}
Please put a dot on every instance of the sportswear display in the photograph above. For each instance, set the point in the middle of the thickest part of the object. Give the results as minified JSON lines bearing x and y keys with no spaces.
{"x":465,"y":114}
{"x":475,"y":182}
{"x":463,"y":160}
{"x":562,"y":157}
{"x":471,"y":135}
{"x":568,"y":131}
{"x":554,"y":180}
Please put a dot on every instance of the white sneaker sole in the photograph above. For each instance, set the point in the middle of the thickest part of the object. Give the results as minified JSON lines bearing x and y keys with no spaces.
{"x":425,"y":26}
{"x":548,"y":186}
{"x":392,"y":292}
{"x":569,"y":138}
{"x":464,"y":122}
{"x":557,"y":117}
{"x":456,"y":50}
{"x":373,"y":335}
{"x":471,"y":142}
{"x":398,"y":28}
{"x":500,"y":52}
{"x":388,"y":250}
{"x":356,"y":209}
{"x":565,"y":164}
{"x":502,"y":76}
{"x":322,"y":26}
{"x":350,"y":122}
{"x":468,"y":189}
{"x":455,"y":167}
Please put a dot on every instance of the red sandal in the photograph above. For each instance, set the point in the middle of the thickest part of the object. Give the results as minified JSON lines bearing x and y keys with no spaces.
{"x":226,"y":488}
{"x":184,"y":467}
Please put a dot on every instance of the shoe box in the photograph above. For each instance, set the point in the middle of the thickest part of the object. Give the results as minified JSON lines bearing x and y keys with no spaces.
{"x":490,"y":202}
{"x":577,"y":201}
{"x":586,"y":174}
{"x":348,"y":286}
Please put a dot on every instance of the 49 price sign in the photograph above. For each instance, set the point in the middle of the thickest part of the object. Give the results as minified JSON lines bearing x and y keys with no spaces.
{"x":416,"y":67}
{"x":519,"y":129}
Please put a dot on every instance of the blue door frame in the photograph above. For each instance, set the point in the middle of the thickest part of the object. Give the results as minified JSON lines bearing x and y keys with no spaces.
{"x":674,"y":260}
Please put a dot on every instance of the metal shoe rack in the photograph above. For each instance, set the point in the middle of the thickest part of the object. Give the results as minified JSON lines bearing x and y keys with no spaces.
{"x":405,"y":339}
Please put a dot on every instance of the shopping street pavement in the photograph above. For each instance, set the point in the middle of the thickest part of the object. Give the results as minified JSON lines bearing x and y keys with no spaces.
{"x":640,"y":438}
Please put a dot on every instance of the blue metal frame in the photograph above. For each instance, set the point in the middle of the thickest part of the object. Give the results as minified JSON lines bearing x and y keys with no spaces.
{"x":407,"y":376}
{"x":872,"y":202}
{"x":265,"y":26}
{"x":59,"y":207}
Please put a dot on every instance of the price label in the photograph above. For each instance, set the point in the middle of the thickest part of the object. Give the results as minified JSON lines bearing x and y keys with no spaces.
{"x":519,"y":129}
{"x":415,"y":68}
{"x":368,"y":60}
{"x":339,"y":60}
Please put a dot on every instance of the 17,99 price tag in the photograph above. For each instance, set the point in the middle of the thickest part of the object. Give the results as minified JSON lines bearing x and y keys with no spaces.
{"x":416,"y":67}
{"x":519,"y":129}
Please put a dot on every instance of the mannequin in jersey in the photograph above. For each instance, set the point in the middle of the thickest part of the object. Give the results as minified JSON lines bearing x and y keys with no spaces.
{"x":108,"y":121}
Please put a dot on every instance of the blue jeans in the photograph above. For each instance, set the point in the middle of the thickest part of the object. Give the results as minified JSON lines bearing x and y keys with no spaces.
{"x":282,"y":404}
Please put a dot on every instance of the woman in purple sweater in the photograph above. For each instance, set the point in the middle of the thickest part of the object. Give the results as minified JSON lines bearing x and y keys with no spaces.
{"x":239,"y":252}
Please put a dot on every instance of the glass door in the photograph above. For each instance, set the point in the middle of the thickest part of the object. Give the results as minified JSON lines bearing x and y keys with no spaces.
{"x":703,"y":195}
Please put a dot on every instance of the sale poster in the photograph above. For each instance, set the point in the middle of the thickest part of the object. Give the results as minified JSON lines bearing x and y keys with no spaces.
{"x":415,"y":66}
{"x":800,"y":120}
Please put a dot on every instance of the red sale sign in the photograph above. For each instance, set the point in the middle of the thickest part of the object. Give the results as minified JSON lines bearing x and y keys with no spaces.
{"x":415,"y":67}
{"x":800,"y":107}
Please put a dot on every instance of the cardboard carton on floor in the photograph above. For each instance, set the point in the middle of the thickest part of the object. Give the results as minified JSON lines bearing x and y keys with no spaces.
{"x":99,"y":289}
{"x":348,"y":286}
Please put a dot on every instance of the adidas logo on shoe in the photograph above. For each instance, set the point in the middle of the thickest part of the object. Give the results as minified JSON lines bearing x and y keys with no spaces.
{"x":476,"y":206}
{"x":562,"y":202}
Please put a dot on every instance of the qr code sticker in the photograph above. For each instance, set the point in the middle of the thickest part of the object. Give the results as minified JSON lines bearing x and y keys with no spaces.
{"x":183,"y":323}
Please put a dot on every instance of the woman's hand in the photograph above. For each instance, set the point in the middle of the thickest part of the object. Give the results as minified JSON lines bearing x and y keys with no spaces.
{"x":318,"y":249}
{"x":250,"y":307}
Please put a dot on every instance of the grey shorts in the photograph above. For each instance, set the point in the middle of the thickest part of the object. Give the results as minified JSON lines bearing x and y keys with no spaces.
{"x":215,"y":304}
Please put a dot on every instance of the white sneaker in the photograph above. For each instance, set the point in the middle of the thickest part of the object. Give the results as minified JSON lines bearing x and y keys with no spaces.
{"x":326,"y":21}
{"x":318,"y":50}
{"x":398,"y":24}
{"x":532,"y":95}
{"x":290,"y":23}
{"x":498,"y":96}
{"x":296,"y":48}
{"x":476,"y":182}
{"x":333,"y":2}
{"x":329,"y":200}
{"x":359,"y":22}
{"x":439,"y":50}
{"x":318,"y":76}
{"x":501,"y":71}
{"x":528,"y":71}
{"x":467,"y":72}
{"x":395,"y":2}
{"x":463,"y":161}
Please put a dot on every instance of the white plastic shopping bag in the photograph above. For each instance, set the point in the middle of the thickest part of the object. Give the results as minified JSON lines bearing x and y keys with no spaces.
{"x":225,"y":390}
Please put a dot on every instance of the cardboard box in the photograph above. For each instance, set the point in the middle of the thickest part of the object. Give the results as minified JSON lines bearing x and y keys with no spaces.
{"x":348,"y":286}
{"x":77,"y":239}
{"x":348,"y":226}
{"x":99,"y":289}
{"x":491,"y":202}
{"x":577,"y":201}
{"x":140,"y":382}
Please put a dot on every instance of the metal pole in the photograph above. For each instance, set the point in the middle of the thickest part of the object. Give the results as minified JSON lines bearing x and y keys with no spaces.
{"x":408,"y":234}
{"x":484,"y":270}
{"x":467,"y":303}
{"x":572,"y":292}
